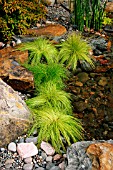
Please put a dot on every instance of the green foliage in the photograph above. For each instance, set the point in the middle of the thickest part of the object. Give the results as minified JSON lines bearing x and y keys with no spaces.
{"x":41,"y":51}
{"x":53,"y":125}
{"x":50,"y":96}
{"x":74,"y":49}
{"x":16,"y":16}
{"x":89,"y":13}
{"x":44,"y":73}
{"x":107,"y":20}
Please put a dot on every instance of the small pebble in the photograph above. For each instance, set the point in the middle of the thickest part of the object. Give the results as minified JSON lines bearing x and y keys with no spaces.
{"x":28,"y":167}
{"x":28,"y":160}
{"x":12,"y":147}
{"x":49,"y":159}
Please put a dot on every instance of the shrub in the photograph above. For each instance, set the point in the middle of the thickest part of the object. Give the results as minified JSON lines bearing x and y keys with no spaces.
{"x":52,"y":72}
{"x":74,"y":49}
{"x":16,"y":16}
{"x":53,"y":125}
{"x":41,"y":51}
{"x":50,"y":96}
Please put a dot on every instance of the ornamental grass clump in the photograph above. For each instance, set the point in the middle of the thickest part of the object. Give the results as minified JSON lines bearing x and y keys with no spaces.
{"x":43,"y":73}
{"x":74,"y":49}
{"x":40,"y":51}
{"x":53,"y":126}
{"x":51,"y":97}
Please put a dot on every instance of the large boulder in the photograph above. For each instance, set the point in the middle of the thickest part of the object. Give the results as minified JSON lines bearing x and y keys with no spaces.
{"x":90,"y":155}
{"x":14,"y":114}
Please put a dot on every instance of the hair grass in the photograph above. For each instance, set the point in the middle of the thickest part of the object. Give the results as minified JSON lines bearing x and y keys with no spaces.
{"x":74,"y":49}
{"x":50,"y":96}
{"x":53,"y":125}
{"x":40,"y":51}
{"x":43,"y":73}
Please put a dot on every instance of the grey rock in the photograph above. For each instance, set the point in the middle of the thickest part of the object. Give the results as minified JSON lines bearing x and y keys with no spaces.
{"x":44,"y":156}
{"x":77,"y":157}
{"x":50,"y":165}
{"x":99,"y":43}
{"x":31,"y":139}
{"x":49,"y":159}
{"x":14,"y":115}
{"x":55,"y":168}
{"x":28,"y":167}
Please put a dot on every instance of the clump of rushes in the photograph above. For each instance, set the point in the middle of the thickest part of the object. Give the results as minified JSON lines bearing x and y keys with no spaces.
{"x":40,"y":51}
{"x":43,"y":73}
{"x":53,"y":125}
{"x":73,"y":50}
{"x":89,"y":14}
{"x":51,"y":97}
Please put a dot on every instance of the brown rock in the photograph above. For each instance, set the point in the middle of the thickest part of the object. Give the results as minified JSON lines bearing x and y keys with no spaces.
{"x":12,"y":72}
{"x":14,"y":115}
{"x":49,"y":30}
{"x":13,"y":53}
{"x":109,"y":7}
{"x":101,"y":155}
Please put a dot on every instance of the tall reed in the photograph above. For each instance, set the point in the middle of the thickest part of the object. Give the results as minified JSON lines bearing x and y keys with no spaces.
{"x":88,"y":13}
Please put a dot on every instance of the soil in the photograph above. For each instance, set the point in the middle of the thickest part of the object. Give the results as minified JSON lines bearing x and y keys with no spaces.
{"x":92,"y":98}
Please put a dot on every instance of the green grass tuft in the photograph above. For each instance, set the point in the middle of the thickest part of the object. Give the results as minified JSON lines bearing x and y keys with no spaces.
{"x":52,"y":72}
{"x":40,"y":51}
{"x":53,"y":125}
{"x":74,"y":49}
{"x":50,"y":96}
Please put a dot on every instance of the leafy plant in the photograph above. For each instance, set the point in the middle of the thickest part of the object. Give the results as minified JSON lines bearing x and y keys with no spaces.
{"x":17,"y":16}
{"x":41,"y":51}
{"x":74,"y":49}
{"x":44,"y":73}
{"x":53,"y":125}
{"x":107,"y":20}
{"x":50,"y":96}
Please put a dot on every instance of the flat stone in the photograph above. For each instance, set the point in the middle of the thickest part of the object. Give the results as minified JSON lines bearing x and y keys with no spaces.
{"x":26,"y":150}
{"x":49,"y":30}
{"x":12,"y":72}
{"x":47,"y":148}
{"x":11,"y":52}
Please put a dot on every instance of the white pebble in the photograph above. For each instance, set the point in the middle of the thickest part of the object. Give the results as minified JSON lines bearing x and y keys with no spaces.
{"x":12,"y":147}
